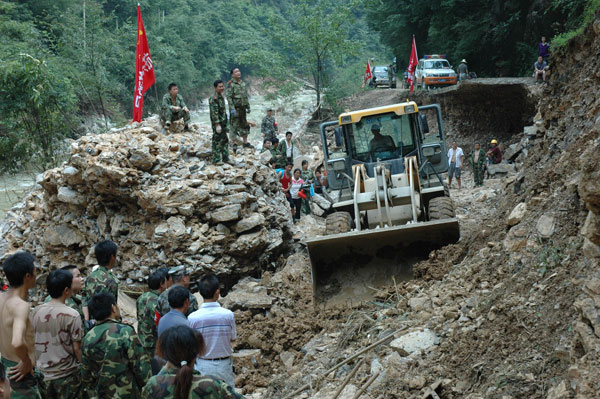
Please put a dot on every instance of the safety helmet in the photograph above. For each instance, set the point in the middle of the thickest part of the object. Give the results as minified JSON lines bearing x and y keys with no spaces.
{"x":494,"y":141}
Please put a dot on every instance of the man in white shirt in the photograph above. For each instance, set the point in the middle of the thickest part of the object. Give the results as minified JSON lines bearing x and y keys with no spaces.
{"x":217,"y":326}
{"x":455,"y":160}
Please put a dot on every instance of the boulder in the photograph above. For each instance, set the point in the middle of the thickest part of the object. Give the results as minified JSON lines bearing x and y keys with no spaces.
{"x":415,"y":341}
{"x":501,"y":169}
{"x":517,"y":214}
{"x":249,"y":223}
{"x":545,"y":225}
{"x":227,"y":213}
{"x":70,"y":196}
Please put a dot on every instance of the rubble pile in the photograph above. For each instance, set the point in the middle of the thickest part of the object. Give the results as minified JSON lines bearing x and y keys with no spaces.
{"x":161,"y":200}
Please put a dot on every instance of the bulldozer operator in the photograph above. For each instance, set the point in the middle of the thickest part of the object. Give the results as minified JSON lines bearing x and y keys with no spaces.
{"x":380,"y":146}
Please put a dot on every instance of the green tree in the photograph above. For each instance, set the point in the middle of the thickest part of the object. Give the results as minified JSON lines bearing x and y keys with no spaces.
{"x":36,"y":106}
{"x":318,"y":34}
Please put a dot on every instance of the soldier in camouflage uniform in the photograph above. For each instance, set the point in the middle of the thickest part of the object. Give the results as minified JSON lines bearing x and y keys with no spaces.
{"x":239,"y":107}
{"x":146,"y":312}
{"x":176,"y":346}
{"x":218,"y":120}
{"x":101,"y":279}
{"x":180,"y":277}
{"x":307,"y":176}
{"x":113,"y":364}
{"x":268,"y":126}
{"x":173,"y":108}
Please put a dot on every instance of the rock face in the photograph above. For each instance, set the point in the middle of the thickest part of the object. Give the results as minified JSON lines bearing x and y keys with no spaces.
{"x":159,"y":201}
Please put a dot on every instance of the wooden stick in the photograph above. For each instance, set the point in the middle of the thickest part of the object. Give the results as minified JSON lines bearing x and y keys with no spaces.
{"x":364,"y":388}
{"x":348,"y":378}
{"x":340,"y":364}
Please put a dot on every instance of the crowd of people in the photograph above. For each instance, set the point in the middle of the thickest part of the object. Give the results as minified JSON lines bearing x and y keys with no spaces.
{"x":478,"y":158}
{"x":75,"y":345}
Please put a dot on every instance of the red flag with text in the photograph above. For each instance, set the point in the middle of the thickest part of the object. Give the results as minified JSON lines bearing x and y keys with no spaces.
{"x":368,"y":74}
{"x":412,"y":64}
{"x":144,"y":70}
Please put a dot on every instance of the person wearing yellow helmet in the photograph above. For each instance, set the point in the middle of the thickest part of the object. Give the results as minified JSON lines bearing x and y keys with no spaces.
{"x":494,"y":154}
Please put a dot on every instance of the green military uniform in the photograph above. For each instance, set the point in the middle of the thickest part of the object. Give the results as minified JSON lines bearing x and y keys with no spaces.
{"x":237,"y":97}
{"x":218,"y":116}
{"x":203,"y":387}
{"x":167,"y":114}
{"x":146,"y":308}
{"x":28,"y":387}
{"x":307,"y":175}
{"x":68,"y":387}
{"x":113,"y":362}
{"x":269,"y":128}
{"x":479,"y":167}
{"x":163,"y":307}
{"x":282,"y":148}
{"x":100,"y":280}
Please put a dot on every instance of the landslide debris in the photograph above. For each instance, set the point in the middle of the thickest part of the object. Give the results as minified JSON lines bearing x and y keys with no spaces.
{"x":511,"y":311}
{"x":161,"y":200}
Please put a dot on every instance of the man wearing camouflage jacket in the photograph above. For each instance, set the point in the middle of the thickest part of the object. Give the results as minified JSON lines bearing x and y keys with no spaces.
{"x":218,"y":120}
{"x":101,"y":279}
{"x":146,"y":312}
{"x":269,"y":127}
{"x":114,"y":363}
{"x":239,"y":107}
{"x":180,"y":277}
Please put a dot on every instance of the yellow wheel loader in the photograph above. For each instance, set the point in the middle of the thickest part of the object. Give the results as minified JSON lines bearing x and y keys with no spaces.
{"x":391,"y":207}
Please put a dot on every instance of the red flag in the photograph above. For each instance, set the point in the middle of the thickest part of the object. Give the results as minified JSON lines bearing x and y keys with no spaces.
{"x":412,"y":64}
{"x":368,"y":74}
{"x":144,"y":71}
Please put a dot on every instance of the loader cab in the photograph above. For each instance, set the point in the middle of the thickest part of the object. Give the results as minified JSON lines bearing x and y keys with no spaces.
{"x":385,"y":134}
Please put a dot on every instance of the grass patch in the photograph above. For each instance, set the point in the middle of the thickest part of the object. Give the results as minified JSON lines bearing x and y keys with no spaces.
{"x":560,"y":41}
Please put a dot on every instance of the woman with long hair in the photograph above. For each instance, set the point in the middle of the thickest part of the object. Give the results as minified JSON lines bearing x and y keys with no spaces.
{"x":180,"y":346}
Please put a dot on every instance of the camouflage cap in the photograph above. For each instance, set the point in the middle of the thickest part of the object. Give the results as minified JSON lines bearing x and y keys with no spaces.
{"x":178,"y":270}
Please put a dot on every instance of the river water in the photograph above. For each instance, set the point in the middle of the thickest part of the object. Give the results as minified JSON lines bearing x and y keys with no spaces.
{"x":290,"y":113}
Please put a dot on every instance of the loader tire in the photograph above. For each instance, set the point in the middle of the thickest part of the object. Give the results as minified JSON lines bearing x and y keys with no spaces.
{"x":338,"y":222}
{"x":441,"y":208}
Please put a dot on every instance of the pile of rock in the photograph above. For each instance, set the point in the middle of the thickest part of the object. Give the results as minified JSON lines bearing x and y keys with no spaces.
{"x":161,"y":200}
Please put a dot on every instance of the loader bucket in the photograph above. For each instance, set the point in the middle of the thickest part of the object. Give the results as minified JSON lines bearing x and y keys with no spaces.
{"x":347,"y":267}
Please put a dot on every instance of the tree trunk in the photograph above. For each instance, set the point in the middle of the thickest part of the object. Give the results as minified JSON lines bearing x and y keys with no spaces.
{"x":318,"y":87}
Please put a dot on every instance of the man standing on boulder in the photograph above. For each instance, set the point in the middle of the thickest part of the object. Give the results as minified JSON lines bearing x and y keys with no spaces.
{"x":268,"y":126}
{"x":218,"y":120}
{"x":101,"y":279}
{"x":239,"y":107}
{"x":180,"y":278}
{"x":174,"y":108}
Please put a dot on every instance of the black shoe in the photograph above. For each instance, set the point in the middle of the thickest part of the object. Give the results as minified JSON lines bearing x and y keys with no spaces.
{"x":186,"y":128}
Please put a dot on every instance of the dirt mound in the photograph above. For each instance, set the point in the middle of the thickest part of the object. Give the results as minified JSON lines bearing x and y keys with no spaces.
{"x":161,"y":200}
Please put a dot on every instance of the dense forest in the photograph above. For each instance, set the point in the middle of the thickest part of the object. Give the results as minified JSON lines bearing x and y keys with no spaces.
{"x":63,"y":62}
{"x":497,"y":37}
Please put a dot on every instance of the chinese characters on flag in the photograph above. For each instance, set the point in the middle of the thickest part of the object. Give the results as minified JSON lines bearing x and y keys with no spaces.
{"x":144,"y":71}
{"x":412,"y":64}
